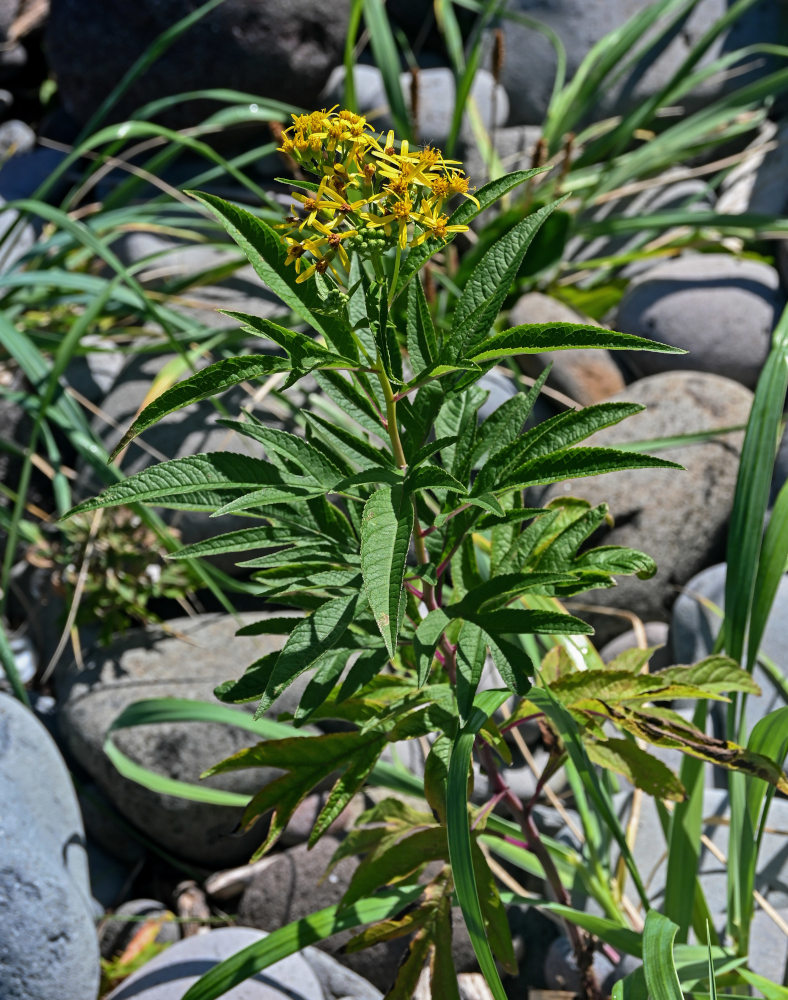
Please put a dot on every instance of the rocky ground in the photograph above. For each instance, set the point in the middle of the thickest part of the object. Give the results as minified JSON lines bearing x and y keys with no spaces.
{"x":128,"y":860}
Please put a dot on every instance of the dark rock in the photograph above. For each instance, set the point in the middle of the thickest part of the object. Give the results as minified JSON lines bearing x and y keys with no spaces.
{"x":719,"y":308}
{"x":694,"y":627}
{"x":117,"y":929}
{"x":529,"y":67}
{"x":283,"y":50}
{"x":678,"y":518}
{"x":187,"y":661}
{"x":48,"y":945}
{"x":24,"y":173}
{"x":587,"y":376}
{"x":168,"y":976}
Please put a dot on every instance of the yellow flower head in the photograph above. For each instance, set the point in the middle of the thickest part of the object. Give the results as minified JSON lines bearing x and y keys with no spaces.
{"x":368,"y":187}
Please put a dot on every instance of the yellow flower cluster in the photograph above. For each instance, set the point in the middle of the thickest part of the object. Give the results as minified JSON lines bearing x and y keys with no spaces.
{"x":367,"y":188}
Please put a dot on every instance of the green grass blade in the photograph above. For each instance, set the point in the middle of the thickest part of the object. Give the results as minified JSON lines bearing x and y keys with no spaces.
{"x":658,"y":964}
{"x":752,"y":494}
{"x":384,"y":50}
{"x":459,"y":836}
{"x":298,"y":935}
{"x":354,"y":22}
{"x":8,"y":661}
{"x":771,"y":567}
{"x":683,"y":839}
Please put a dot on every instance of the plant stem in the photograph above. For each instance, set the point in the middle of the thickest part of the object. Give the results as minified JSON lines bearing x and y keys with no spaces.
{"x":395,"y":276}
{"x":391,"y":419}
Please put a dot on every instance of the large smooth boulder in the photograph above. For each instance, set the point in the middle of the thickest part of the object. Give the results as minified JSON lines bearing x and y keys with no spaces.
{"x":679,"y":518}
{"x":718,"y":308}
{"x":48,"y":945}
{"x":186,"y":661}
{"x":283,"y":49}
{"x":529,"y":67}
{"x":170,"y":974}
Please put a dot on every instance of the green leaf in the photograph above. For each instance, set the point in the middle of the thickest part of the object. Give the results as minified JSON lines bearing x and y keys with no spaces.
{"x":715,"y":674}
{"x":311,"y":460}
{"x":304,"y":352}
{"x":421,"y":340}
{"x":512,"y":663}
{"x":223,"y":470}
{"x":386,"y":528}
{"x":307,"y":761}
{"x":526,"y":621}
{"x":459,"y":836}
{"x":534,"y":338}
{"x":432,"y":477}
{"x":266,"y":252}
{"x":658,"y":964}
{"x":237,"y":541}
{"x":637,"y":766}
{"x":404,"y":857}
{"x":428,"y":635}
{"x":489,"y":283}
{"x":210,"y":381}
{"x":580,"y":462}
{"x":471,"y":650}
{"x":308,"y":641}
{"x":462,"y":216}
{"x":297,"y":935}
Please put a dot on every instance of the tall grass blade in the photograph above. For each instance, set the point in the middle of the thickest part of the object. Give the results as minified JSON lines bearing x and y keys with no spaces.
{"x":384,"y":50}
{"x":459,"y":836}
{"x":659,"y":966}
{"x":298,"y":935}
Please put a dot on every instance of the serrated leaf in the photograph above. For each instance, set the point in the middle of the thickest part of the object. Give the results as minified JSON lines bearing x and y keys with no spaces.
{"x":308,"y":641}
{"x":471,"y":650}
{"x":461,"y":216}
{"x":432,"y":477}
{"x":311,"y":460}
{"x":429,"y":449}
{"x":616,"y":559}
{"x":403,"y":858}
{"x":715,"y":674}
{"x":304,"y":352}
{"x":505,"y":424}
{"x":238,"y":541}
{"x":527,"y":621}
{"x":428,"y":635}
{"x":637,"y":766}
{"x":223,"y":470}
{"x":350,"y":400}
{"x":307,"y":761}
{"x":266,"y":252}
{"x":421,"y":340}
{"x":270,"y":626}
{"x":512,"y":663}
{"x":488,"y":285}
{"x":576,"y":463}
{"x":211,"y":381}
{"x":353,"y":447}
{"x":386,"y":528}
{"x":534,"y":338}
{"x":503,"y":589}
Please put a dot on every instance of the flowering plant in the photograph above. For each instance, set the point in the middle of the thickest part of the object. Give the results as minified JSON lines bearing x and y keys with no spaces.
{"x":395,"y":520}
